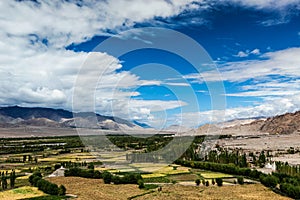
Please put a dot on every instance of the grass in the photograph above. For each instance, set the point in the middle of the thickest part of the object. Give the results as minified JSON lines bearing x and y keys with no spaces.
{"x":155,"y":175}
{"x":9,"y":171}
{"x":21,"y":193}
{"x":150,"y":186}
{"x":169,"y":170}
{"x":210,"y":175}
{"x":157,"y":180}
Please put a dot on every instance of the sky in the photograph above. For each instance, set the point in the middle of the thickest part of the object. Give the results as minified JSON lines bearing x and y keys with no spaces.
{"x":160,"y":62}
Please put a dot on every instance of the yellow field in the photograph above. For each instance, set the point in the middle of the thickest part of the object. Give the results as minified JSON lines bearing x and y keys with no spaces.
{"x":237,"y":192}
{"x":155,"y":175}
{"x":94,"y":189}
{"x":9,"y":171}
{"x":170,"y":171}
{"x":22,"y":177}
{"x":208,"y":174}
{"x":21,"y":193}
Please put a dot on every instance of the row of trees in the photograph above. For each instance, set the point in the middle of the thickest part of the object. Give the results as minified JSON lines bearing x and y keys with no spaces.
{"x":36,"y":180}
{"x":127,"y":178}
{"x":219,"y":182}
{"x":85,"y":173}
{"x":226,"y":157}
{"x":225,"y":168}
{"x":5,"y":176}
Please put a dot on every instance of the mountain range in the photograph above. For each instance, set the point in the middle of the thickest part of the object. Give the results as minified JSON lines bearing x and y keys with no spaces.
{"x":16,"y":116}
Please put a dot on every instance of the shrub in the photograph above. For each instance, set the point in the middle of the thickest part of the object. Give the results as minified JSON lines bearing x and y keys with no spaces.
{"x":141,"y":184}
{"x":197,"y":182}
{"x":240,"y":180}
{"x":33,"y":179}
{"x":269,"y":180}
{"x":206,"y":183}
{"x":213,"y":181}
{"x":107,"y":177}
{"x":62,"y":190}
{"x":219,"y":181}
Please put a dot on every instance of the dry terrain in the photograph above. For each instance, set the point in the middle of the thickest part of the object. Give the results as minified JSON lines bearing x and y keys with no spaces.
{"x":89,"y":189}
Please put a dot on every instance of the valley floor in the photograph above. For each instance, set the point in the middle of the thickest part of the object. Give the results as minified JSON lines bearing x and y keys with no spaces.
{"x":92,"y":189}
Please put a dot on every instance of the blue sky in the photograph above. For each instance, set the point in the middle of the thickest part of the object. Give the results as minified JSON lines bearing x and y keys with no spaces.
{"x":254,"y":48}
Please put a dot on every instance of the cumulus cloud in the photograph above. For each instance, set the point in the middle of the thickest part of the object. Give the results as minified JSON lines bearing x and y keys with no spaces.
{"x":36,"y":69}
{"x":61,"y":23}
{"x":282,"y":63}
{"x":243,"y":54}
{"x":271,"y":107}
{"x":266,"y":4}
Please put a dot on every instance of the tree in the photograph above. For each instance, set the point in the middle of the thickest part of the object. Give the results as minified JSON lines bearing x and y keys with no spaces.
{"x":62,"y":190}
{"x":219,"y":181}
{"x":213,"y":181}
{"x":269,"y":180}
{"x":91,"y":166}
{"x":197,"y":182}
{"x":35,"y":174}
{"x":206,"y":183}
{"x":240,"y":180}
{"x":107,"y":177}
{"x":12,"y":178}
{"x":3,"y":181}
{"x":141,"y":183}
{"x":262,"y":159}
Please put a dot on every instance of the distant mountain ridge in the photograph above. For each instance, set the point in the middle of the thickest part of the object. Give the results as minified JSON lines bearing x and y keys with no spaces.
{"x":282,"y":124}
{"x":287,"y":123}
{"x":38,"y":116}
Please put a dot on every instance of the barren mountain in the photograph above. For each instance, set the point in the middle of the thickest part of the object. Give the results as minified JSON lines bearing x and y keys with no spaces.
{"x":47,"y":117}
{"x":282,"y":124}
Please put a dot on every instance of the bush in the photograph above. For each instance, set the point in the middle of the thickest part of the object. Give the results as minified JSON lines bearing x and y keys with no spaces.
{"x":206,"y":183}
{"x":197,"y":182}
{"x":62,"y":190}
{"x":49,"y":188}
{"x":107,"y":177}
{"x":141,"y":184}
{"x":85,"y":173}
{"x":213,"y":181}
{"x":35,"y":174}
{"x":219,"y":181}
{"x":269,"y":180}
{"x":240,"y":180}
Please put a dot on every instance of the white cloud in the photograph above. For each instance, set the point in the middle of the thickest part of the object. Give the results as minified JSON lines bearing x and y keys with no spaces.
{"x":282,"y":63}
{"x":266,"y":4}
{"x":243,"y":54}
{"x":271,"y":107}
{"x":62,"y":23}
{"x":36,"y":69}
{"x":255,"y":51}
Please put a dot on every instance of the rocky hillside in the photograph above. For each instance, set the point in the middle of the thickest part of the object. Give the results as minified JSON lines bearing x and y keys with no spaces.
{"x":282,"y":124}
